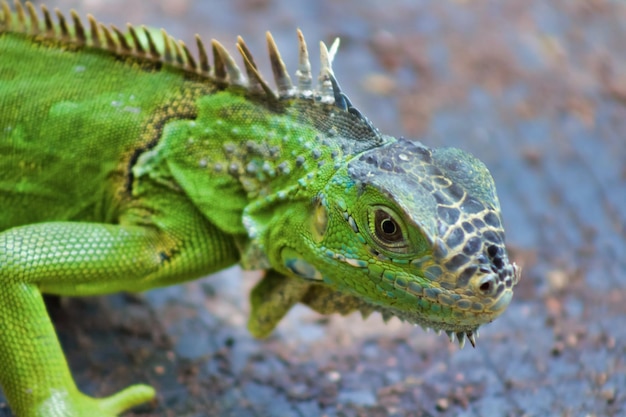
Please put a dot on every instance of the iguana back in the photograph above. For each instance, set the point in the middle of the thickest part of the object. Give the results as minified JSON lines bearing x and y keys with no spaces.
{"x":74,"y":123}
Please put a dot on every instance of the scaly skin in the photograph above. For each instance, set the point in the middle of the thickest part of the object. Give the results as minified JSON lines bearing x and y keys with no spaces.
{"x":127,"y":165}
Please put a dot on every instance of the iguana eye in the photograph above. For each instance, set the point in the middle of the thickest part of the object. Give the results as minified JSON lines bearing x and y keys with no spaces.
{"x":388,"y":229}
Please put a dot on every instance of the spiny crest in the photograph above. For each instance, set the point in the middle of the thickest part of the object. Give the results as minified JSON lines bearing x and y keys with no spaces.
{"x":139,"y":43}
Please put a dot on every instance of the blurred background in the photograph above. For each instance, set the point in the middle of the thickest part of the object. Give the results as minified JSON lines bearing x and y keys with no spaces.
{"x":535,"y":89}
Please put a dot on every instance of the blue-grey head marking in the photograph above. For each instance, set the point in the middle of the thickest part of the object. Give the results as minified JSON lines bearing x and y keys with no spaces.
{"x":451,"y":197}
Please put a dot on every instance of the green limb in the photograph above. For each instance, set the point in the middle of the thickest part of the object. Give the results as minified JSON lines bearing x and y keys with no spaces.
{"x":83,"y":259}
{"x":271,"y":299}
{"x":33,"y":370}
{"x":57,"y":405}
{"x":127,"y":398}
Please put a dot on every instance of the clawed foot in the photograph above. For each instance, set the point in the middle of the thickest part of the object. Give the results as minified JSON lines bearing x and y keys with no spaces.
{"x":64,"y":404}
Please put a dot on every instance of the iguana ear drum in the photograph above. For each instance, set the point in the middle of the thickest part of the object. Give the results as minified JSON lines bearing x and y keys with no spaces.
{"x":299,"y":266}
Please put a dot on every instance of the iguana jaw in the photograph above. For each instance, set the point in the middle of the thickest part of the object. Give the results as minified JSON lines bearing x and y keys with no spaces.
{"x":433,"y":309}
{"x":426,"y":313}
{"x":460,"y":325}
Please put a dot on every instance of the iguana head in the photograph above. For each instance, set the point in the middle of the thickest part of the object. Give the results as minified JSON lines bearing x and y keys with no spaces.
{"x":407,"y":230}
{"x":419,"y":234}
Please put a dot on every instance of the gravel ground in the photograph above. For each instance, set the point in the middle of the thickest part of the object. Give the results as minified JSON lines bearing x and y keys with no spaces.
{"x":535,"y":89}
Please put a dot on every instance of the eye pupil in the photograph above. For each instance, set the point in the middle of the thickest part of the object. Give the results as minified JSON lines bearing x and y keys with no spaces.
{"x":388,"y":226}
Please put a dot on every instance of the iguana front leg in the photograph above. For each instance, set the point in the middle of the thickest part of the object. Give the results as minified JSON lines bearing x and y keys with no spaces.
{"x":275,"y":294}
{"x":271,"y":299}
{"x":83,"y":259}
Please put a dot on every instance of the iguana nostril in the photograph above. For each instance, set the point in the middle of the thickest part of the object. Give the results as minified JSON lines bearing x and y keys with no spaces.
{"x":487,"y":284}
{"x":493,"y":251}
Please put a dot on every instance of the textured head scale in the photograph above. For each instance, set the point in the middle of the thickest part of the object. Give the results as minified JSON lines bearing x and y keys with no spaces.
{"x":451,"y":198}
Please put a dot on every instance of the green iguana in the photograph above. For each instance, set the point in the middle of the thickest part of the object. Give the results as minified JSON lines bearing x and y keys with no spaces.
{"x":127,"y":163}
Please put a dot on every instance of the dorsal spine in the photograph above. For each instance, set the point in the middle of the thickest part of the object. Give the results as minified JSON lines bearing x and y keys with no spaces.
{"x":140,"y":43}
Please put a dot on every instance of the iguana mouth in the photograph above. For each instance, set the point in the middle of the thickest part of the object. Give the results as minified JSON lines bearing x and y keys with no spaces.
{"x":478,"y":312}
{"x":471,"y":332}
